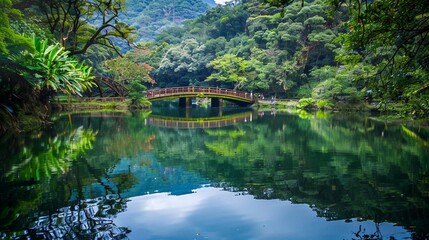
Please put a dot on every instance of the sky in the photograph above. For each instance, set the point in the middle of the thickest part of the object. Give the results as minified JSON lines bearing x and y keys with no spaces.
{"x":221,"y":1}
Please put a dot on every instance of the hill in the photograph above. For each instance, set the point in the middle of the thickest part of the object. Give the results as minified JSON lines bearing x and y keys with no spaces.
{"x":210,"y":2}
{"x":150,"y":17}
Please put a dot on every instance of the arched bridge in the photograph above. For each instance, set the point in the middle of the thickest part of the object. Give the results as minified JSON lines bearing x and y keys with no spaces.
{"x":185,"y":94}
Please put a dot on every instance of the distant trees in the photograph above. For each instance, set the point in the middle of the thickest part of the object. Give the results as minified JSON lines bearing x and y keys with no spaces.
{"x":377,"y":50}
{"x":150,"y":17}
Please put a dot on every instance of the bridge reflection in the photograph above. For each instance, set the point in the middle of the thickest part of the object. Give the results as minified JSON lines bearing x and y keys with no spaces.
{"x":190,"y":123}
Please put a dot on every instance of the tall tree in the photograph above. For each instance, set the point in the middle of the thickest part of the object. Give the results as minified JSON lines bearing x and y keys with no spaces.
{"x":183,"y":64}
{"x":79,"y":24}
{"x":229,"y":69}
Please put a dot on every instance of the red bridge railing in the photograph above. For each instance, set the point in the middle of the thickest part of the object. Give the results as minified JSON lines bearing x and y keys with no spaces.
{"x":165,"y":92}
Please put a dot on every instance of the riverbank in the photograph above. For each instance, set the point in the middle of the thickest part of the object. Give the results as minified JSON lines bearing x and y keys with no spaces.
{"x":36,"y":115}
{"x":62,"y":103}
{"x":393,"y":112}
{"x":311,"y":106}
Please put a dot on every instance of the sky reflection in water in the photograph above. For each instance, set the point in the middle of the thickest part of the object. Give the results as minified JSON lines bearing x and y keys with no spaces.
{"x":212,"y":213}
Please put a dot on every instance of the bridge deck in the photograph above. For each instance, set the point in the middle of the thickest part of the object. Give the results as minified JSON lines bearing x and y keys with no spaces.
{"x":164,"y":93}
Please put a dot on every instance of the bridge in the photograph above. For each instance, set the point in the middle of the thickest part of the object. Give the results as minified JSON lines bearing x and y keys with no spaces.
{"x":185,"y":95}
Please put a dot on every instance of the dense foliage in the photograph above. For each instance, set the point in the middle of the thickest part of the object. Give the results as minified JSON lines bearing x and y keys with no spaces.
{"x":277,"y":53}
{"x":387,"y":46}
{"x":30,"y":78}
{"x":32,"y":72}
{"x":54,"y":70}
{"x":326,"y":50}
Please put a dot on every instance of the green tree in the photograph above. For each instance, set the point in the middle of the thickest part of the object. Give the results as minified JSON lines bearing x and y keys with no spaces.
{"x":392,"y":37}
{"x":125,"y":72}
{"x":281,"y":3}
{"x":230,"y":69}
{"x":335,"y":84}
{"x":137,"y":95}
{"x":183,"y":64}
{"x":79,"y":24}
{"x":30,"y":77}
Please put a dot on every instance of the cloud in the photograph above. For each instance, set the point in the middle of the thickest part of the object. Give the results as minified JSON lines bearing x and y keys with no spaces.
{"x":221,"y":1}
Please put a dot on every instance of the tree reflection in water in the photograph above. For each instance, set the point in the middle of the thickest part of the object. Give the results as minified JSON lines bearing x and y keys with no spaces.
{"x":87,"y":219}
{"x":342,"y":169}
{"x":361,"y":234}
{"x":42,"y":177}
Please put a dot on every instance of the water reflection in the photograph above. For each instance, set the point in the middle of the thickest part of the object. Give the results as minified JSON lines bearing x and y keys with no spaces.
{"x":54,"y":155}
{"x":234,"y":216}
{"x":87,"y":219}
{"x":112,"y":176}
{"x":206,"y":122}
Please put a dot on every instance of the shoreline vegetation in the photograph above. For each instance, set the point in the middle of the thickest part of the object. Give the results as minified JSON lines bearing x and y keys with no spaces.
{"x":392,"y":112}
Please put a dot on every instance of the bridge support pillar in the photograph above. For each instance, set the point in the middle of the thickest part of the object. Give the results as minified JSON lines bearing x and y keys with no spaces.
{"x":185,"y":102}
{"x":216,"y":102}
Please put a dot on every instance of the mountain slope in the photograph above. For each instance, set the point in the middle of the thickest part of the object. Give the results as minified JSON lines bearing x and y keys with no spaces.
{"x":150,"y":17}
{"x":211,"y":3}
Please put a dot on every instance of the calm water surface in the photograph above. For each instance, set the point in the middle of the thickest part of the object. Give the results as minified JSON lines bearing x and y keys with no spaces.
{"x":234,"y":175}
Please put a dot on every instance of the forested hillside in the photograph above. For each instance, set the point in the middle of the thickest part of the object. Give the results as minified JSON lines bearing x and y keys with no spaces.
{"x":150,"y":17}
{"x":329,"y":51}
{"x":253,"y":47}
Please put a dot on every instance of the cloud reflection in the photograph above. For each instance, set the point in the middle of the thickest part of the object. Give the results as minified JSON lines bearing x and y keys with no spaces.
{"x":210,"y":213}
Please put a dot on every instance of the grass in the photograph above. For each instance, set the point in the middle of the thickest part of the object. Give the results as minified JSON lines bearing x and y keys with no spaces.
{"x":279,"y":104}
{"x":77,"y":103}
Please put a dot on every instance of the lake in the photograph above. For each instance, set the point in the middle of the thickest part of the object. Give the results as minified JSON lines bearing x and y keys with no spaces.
{"x":210,"y":174}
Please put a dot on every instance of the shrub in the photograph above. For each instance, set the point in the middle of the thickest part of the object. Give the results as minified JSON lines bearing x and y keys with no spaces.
{"x":305,"y":103}
{"x":138,"y":100}
{"x":323,"y":104}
